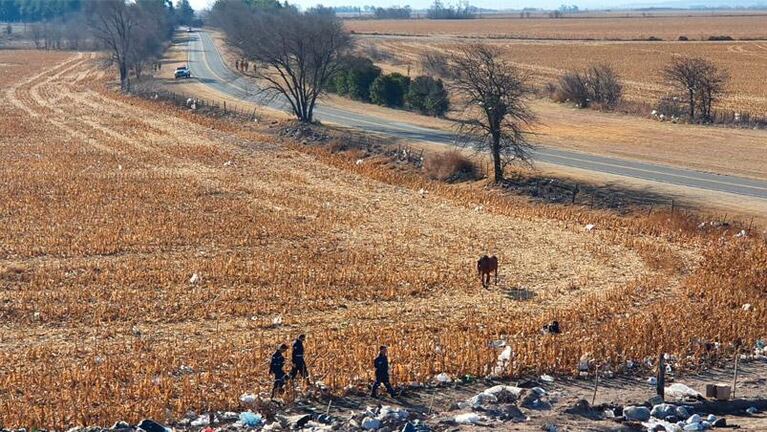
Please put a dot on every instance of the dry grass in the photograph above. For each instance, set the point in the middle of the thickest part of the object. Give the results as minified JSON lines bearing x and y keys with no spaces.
{"x":451,"y":166}
{"x":699,"y":27}
{"x":113,"y":203}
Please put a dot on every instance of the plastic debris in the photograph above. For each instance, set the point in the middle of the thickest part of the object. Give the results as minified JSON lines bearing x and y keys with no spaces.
{"x":443,"y":378}
{"x":681,"y":391}
{"x":637,"y":413}
{"x":152,"y":426}
{"x":590,"y":227}
{"x":547,"y":378}
{"x":467,"y":419}
{"x":752,"y":410}
{"x":251,"y":419}
{"x":248,"y":398}
{"x":370,"y":423}
{"x":195,"y":279}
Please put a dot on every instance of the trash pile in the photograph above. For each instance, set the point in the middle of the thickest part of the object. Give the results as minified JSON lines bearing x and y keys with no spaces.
{"x":375,"y":418}
{"x":672,"y":418}
{"x":502,"y":403}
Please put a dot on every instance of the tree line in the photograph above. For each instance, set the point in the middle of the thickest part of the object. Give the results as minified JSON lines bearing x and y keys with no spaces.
{"x":359,"y":79}
{"x":37,"y":10}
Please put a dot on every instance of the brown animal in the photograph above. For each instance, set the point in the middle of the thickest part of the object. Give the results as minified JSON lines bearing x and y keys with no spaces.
{"x":485,"y":266}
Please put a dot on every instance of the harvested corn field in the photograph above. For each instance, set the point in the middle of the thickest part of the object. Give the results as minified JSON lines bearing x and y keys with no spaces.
{"x":151,"y":259}
{"x":600,"y":26}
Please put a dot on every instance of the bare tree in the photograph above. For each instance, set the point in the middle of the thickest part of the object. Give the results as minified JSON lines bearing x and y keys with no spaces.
{"x":296,"y":54}
{"x":604,"y":85}
{"x":113,"y":22}
{"x":700,"y":82}
{"x":495,"y":96}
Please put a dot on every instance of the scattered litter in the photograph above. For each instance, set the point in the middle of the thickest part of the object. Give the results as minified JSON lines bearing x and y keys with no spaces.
{"x":652,"y":381}
{"x":277,"y":321}
{"x":443,"y":378}
{"x":752,"y":410}
{"x":203,"y":420}
{"x":371,"y":423}
{"x":479,"y":208}
{"x":194,"y":279}
{"x":360,"y":162}
{"x":741,"y":234}
{"x":250,"y":419}
{"x":152,"y":426}
{"x":547,"y":378}
{"x":590,"y":227}
{"x":248,"y":398}
{"x":388,"y":413}
{"x":423,"y":192}
{"x":636,"y":413}
{"x":498,"y":344}
{"x":681,"y":391}
{"x":228,"y":163}
{"x":467,"y":419}
{"x":663,"y":410}
{"x":746,"y":307}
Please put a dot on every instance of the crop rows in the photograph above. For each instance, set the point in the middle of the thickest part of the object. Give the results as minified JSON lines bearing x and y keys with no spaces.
{"x":113,"y":204}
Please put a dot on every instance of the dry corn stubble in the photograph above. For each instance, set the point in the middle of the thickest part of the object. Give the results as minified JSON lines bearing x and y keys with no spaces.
{"x":106,"y":224}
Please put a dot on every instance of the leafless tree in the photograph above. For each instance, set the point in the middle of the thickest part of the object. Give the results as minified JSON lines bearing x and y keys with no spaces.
{"x":600,"y":84}
{"x":495,"y":95}
{"x":113,"y":22}
{"x":573,"y":87}
{"x":604,"y":85}
{"x":296,"y":54}
{"x":435,"y":63}
{"x":700,"y":82}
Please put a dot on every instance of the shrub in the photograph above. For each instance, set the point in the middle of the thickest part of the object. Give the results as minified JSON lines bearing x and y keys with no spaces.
{"x":604,"y":85}
{"x":428,"y":96}
{"x":720,"y":38}
{"x":390,"y":90}
{"x":355,"y":78}
{"x":683,"y":38}
{"x":600,"y":84}
{"x":573,"y":88}
{"x":654,"y":39}
{"x":451,"y":166}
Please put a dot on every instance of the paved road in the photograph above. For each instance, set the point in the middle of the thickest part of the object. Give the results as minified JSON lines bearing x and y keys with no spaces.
{"x":208,"y":66}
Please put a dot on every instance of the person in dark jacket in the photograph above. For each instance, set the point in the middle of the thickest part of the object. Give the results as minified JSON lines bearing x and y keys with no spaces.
{"x":275,"y":368}
{"x":297,"y":357}
{"x":381,"y":364}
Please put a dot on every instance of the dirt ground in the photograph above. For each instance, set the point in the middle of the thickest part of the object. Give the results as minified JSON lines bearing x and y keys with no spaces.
{"x":566,"y":392}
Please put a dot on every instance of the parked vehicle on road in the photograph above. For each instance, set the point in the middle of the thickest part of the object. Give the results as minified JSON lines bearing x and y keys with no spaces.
{"x":182,"y":72}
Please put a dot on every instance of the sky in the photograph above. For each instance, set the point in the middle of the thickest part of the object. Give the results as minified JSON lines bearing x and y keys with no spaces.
{"x":490,"y":4}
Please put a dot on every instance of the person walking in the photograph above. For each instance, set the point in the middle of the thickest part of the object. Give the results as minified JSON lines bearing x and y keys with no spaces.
{"x":381,"y":364}
{"x":297,"y":358}
{"x":275,"y":368}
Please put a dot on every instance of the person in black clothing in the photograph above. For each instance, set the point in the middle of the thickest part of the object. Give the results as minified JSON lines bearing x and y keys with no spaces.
{"x":381,"y":364}
{"x":297,"y":357}
{"x":275,"y":368}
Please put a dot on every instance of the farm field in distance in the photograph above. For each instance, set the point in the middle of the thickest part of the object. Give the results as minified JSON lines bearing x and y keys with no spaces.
{"x":597,"y":27}
{"x":115,"y":203}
